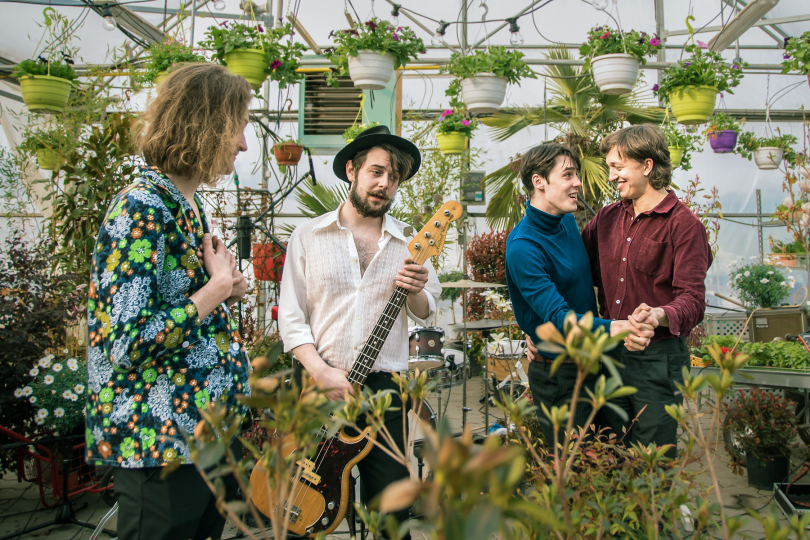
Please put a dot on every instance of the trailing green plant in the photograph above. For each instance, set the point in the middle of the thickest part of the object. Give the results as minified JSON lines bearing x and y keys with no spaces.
{"x":56,"y":390}
{"x":721,"y":121}
{"x":354,"y":130}
{"x":58,"y":137}
{"x":764,"y":423}
{"x":760,"y":285}
{"x":495,"y":60}
{"x":451,"y":121}
{"x":702,"y":68}
{"x":62,"y":68}
{"x":748,"y":141}
{"x":374,"y":35}
{"x":796,"y":247}
{"x":604,"y":40}
{"x":160,"y":57}
{"x":685,"y":138}
{"x":797,"y":54}
{"x":282,"y":56}
{"x":55,"y":58}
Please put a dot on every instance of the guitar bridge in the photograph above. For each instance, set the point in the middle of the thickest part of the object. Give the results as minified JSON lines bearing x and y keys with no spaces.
{"x":294,"y":513}
{"x":308,"y":472}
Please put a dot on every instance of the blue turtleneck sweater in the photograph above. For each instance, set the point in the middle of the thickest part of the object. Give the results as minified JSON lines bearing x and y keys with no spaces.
{"x":548,"y":272}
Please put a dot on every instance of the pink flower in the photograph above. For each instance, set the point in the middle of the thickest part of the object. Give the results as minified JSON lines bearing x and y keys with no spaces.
{"x":275,"y":64}
{"x":447,"y":112}
{"x":702,"y":45}
{"x":465,"y":122}
{"x":606,"y":34}
{"x":394,"y":36}
{"x":260,"y":29}
{"x":399,"y":29}
{"x":655,"y":42}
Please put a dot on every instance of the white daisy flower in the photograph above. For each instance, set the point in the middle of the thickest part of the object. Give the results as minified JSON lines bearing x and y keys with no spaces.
{"x":79,"y":389}
{"x":18,"y":393}
{"x":39,"y":420}
{"x":66,"y":394}
{"x":784,"y":284}
{"x":48,"y":379}
{"x":770,"y":273}
{"x":764,"y":280}
{"x":747,"y":273}
{"x":32,"y":399}
{"x":73,"y":397}
{"x":43,"y":413}
{"x":72,"y":364}
{"x":34,"y":372}
{"x":59,"y":412}
{"x":27,"y":390}
{"x":57,"y":367}
{"x":45,"y":362}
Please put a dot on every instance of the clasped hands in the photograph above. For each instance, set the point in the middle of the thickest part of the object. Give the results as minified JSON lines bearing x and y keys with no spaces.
{"x":215,"y":257}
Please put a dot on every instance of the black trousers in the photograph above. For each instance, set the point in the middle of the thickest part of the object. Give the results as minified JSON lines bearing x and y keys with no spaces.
{"x":654,"y":372}
{"x":555,"y":391}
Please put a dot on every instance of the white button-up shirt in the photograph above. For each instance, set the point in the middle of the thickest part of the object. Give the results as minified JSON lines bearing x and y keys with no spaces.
{"x":325,"y":301}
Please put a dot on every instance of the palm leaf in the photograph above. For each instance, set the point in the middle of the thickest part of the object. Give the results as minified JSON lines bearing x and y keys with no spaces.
{"x":317,"y":200}
{"x":504,"y":210}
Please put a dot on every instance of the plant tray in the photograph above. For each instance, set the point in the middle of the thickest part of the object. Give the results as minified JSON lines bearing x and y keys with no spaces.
{"x":786,"y":502}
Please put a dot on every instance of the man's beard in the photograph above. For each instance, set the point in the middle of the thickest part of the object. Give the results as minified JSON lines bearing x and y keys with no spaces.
{"x":362,"y":205}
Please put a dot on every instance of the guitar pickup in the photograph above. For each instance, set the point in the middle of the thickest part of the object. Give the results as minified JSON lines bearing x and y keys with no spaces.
{"x":308,"y":473}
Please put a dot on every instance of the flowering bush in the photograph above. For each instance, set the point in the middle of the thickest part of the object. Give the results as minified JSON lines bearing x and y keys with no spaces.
{"x":375,"y":35}
{"x":455,"y":122}
{"x":486,"y":258}
{"x":56,"y":392}
{"x":282,"y":56}
{"x":702,"y":68}
{"x":604,"y":40}
{"x":722,"y":122}
{"x":760,"y":285}
{"x":764,"y":423}
{"x":685,"y":138}
{"x":797,"y":54}
{"x":748,"y":141}
{"x":162,"y":56}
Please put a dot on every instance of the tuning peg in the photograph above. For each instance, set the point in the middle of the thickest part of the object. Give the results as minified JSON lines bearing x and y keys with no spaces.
{"x":426,"y":209}
{"x":417,"y":220}
{"x":408,"y":230}
{"x":437,"y":198}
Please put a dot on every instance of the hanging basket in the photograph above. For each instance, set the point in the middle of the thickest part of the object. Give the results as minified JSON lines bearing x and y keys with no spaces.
{"x":615,"y":73}
{"x":371,"y":70}
{"x":451,"y":143}
{"x":675,"y":156}
{"x":693,"y":105}
{"x":484,"y":93}
{"x":248,"y":63}
{"x":268,"y":262}
{"x":724,"y":141}
{"x":161,"y":78}
{"x":768,"y":157}
{"x":48,"y":159}
{"x":288,"y":153}
{"x":44,"y":93}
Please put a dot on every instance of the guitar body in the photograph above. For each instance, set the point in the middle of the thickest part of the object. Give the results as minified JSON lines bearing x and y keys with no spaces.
{"x":321,"y":496}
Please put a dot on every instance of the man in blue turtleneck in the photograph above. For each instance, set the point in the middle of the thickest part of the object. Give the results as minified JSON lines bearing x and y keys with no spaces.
{"x":548,"y":274}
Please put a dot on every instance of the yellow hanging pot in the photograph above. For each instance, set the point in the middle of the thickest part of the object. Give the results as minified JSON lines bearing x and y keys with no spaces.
{"x":451,"y":143}
{"x":45,"y":93}
{"x":248,"y":63}
{"x":693,"y":105}
{"x":48,"y":159}
{"x":675,"y":156}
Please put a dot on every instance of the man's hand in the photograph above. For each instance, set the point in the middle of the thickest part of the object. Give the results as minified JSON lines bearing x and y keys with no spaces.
{"x":531,"y":350}
{"x":334,"y":382}
{"x":412,"y":277}
{"x":239,"y":287}
{"x":640,"y":333}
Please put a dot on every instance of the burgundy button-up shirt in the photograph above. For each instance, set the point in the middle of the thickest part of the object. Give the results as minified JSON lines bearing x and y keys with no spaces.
{"x":659,"y":258}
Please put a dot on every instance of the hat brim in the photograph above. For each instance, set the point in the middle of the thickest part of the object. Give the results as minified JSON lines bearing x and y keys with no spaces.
{"x":363,"y":143}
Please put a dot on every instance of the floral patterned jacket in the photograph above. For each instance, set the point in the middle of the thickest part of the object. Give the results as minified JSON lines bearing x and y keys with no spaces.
{"x":151,"y":361}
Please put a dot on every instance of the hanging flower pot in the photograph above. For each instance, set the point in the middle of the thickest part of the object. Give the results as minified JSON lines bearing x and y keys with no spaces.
{"x":451,"y":143}
{"x":768,"y":157}
{"x":161,"y":77}
{"x":615,"y":73}
{"x":248,"y":63}
{"x":45,"y":93}
{"x":48,"y":159}
{"x":484,"y":93}
{"x":371,"y":70}
{"x":675,"y":156}
{"x":724,"y":141}
{"x":693,"y":104}
{"x":268,"y":262}
{"x":288,"y":153}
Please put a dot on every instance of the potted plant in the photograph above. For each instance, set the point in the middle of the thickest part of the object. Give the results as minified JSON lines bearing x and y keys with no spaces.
{"x":56,"y":391}
{"x":765,"y":425}
{"x":682,"y":141}
{"x":256,"y":54}
{"x":453,"y":130}
{"x":614,"y":57}
{"x":759,"y":285}
{"x":49,"y":147}
{"x":353,"y":131}
{"x":797,"y":55}
{"x":268,"y":262}
{"x":160,"y":57}
{"x":369,"y":53}
{"x":46,"y":81}
{"x":288,"y":152}
{"x":481,"y":77}
{"x":767,"y":152}
{"x":721,"y":132}
{"x":692,"y":85}
{"x":785,"y":254}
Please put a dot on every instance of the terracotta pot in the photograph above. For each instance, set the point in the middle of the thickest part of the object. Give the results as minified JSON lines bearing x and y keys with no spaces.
{"x":288,"y":153}
{"x":724,"y":141}
{"x":693,"y":104}
{"x":615,"y":73}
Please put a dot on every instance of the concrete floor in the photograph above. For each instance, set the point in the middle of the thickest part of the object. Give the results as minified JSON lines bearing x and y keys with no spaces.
{"x":16,"y":499}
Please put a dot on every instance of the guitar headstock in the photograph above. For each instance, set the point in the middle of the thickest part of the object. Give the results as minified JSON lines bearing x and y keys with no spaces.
{"x":429,"y":241}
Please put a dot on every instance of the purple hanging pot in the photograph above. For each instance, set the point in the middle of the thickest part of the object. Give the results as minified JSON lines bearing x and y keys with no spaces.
{"x":723,"y":142}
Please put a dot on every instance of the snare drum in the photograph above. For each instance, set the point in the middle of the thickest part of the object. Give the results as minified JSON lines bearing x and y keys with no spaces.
{"x":425,"y":348}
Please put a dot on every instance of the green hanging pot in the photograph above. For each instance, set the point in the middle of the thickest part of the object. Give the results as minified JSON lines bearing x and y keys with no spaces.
{"x":451,"y":143}
{"x":161,"y":77}
{"x":675,"y":156}
{"x":45,"y":93}
{"x":693,"y":105}
{"x":248,"y":63}
{"x":48,"y":159}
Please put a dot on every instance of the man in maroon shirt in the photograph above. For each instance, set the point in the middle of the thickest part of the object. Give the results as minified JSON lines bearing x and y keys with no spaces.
{"x":648,"y":252}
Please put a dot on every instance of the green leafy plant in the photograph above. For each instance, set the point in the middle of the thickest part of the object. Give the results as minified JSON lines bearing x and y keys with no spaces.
{"x":353,"y":131}
{"x":496,"y":60}
{"x":56,"y":390}
{"x":604,"y":40}
{"x":703,"y":68}
{"x":771,"y":354}
{"x":685,"y":138}
{"x":374,"y":35}
{"x":760,"y":285}
{"x":452,"y":121}
{"x":748,"y":141}
{"x":56,"y":56}
{"x":721,"y":121}
{"x":707,"y":209}
{"x":160,"y":57}
{"x":59,"y":137}
{"x":797,"y":54}
{"x":282,"y":57}
{"x":62,"y":68}
{"x":764,"y":422}
{"x":795,"y":247}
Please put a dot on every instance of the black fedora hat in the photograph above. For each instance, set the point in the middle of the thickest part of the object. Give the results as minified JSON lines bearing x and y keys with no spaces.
{"x":374,"y":137}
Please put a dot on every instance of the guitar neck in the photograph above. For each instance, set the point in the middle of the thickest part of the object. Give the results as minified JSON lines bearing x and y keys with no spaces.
{"x":368,"y":355}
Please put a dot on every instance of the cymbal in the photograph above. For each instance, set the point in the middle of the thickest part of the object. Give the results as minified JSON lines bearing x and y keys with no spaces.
{"x":470,"y":284}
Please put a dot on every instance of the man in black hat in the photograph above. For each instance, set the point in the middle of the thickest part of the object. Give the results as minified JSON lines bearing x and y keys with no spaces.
{"x":340,"y":271}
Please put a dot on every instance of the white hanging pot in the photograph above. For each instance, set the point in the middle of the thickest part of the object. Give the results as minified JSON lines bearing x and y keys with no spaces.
{"x":371,"y":70}
{"x":768,"y":157}
{"x":484,"y":93}
{"x":615,"y":73}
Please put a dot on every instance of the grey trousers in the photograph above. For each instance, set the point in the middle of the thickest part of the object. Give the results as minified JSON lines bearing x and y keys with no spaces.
{"x":556,"y":390}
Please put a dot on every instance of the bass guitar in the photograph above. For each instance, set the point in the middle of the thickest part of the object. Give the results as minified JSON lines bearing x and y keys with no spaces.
{"x":318,"y":501}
